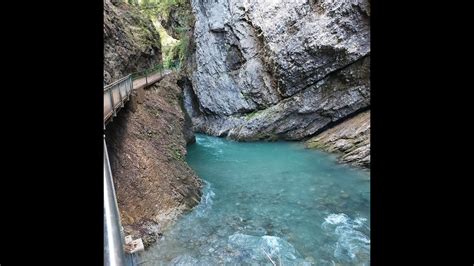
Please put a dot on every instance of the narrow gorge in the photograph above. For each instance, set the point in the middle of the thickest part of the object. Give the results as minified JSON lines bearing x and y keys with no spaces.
{"x":267,"y":70}
{"x":254,"y":148}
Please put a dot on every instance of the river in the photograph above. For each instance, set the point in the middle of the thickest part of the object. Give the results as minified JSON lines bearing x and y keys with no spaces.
{"x":269,"y":203}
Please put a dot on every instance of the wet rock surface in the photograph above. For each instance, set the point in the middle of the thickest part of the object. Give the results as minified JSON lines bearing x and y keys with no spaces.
{"x":351,"y":138}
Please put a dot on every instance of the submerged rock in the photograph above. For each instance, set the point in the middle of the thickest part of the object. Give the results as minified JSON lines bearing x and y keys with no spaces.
{"x":352,"y":245}
{"x":184,"y":260}
{"x":264,"y":249}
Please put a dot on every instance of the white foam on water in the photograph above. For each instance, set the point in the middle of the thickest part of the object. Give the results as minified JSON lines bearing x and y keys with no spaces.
{"x":263,"y":246}
{"x":273,"y":244}
{"x":210,"y":142}
{"x":206,"y":200}
{"x":336,"y":218}
{"x":351,"y":243}
{"x":359,"y":222}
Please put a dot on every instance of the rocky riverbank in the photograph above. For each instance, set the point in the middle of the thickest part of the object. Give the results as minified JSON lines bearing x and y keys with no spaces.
{"x":147,"y":146}
{"x":350,"y":138}
{"x":147,"y":140}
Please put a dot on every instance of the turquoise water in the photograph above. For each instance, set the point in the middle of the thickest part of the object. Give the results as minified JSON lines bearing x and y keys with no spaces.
{"x":269,"y":203}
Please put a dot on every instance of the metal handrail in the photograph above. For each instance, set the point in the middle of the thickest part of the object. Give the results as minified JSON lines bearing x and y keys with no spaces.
{"x":113,"y":243}
{"x":145,"y":73}
{"x":107,"y":87}
{"x":115,"y":96}
{"x":113,"y":235}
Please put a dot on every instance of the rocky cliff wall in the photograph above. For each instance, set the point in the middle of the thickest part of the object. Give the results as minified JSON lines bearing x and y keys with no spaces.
{"x":278,"y":69}
{"x":131,"y":42}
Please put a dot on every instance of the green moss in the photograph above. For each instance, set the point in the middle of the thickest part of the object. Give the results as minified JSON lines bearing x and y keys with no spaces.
{"x":272,"y":137}
{"x":266,"y":136}
{"x":176,"y":153}
{"x":314,"y":144}
{"x":252,"y":114}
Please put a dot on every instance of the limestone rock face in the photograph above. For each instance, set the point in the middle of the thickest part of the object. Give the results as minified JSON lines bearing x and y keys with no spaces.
{"x":308,"y":111}
{"x":131,"y":43}
{"x":281,"y":69}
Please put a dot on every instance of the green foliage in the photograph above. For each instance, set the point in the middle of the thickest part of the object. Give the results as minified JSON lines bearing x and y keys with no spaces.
{"x":159,"y":7}
{"x":168,"y":47}
{"x":174,"y":51}
{"x":183,"y":47}
{"x":133,"y":2}
{"x":170,"y":59}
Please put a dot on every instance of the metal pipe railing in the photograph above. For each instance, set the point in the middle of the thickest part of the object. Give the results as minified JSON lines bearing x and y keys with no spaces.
{"x":118,"y":92}
{"x":148,"y":72}
{"x":113,"y":237}
{"x":115,"y":95}
{"x":116,"y":82}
